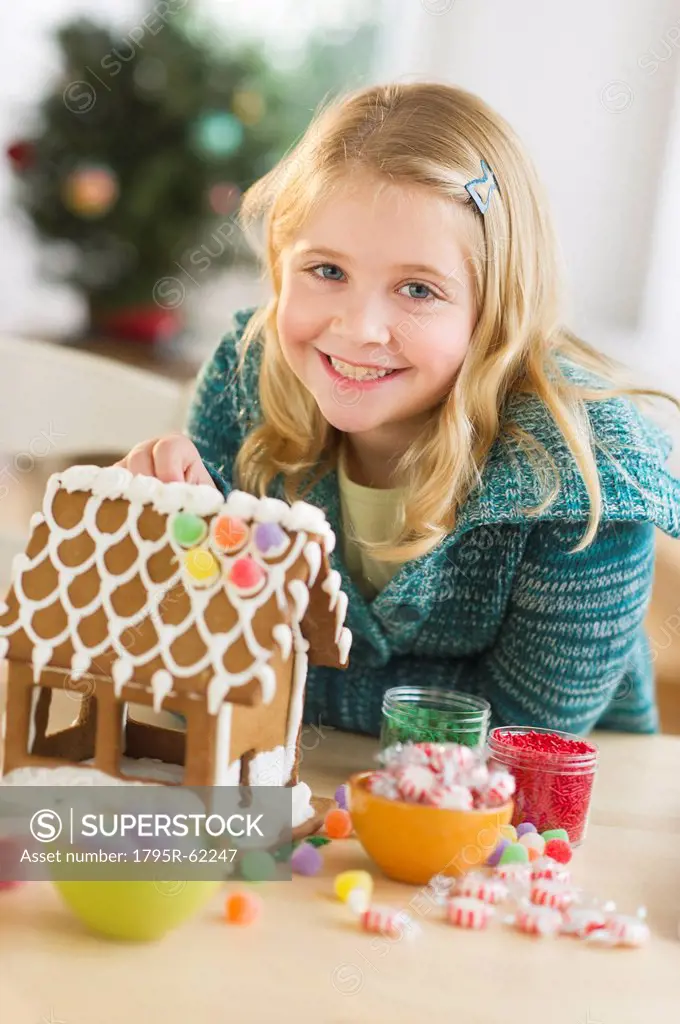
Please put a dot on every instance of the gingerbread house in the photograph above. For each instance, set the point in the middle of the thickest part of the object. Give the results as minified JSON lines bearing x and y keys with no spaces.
{"x":134,"y":593}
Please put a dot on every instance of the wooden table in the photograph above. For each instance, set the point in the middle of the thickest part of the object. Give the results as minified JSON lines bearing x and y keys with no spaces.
{"x":306,"y":960}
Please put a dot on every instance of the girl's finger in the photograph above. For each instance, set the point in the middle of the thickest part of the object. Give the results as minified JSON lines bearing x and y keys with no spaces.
{"x":196,"y":473}
{"x":139,"y":460}
{"x":171,"y":457}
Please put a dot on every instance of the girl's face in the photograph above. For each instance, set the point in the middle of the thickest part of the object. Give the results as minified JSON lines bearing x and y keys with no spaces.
{"x":377,"y":307}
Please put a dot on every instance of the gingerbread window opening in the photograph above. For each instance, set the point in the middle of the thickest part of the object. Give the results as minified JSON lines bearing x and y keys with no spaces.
{"x":61,"y":723}
{"x":153,"y":743}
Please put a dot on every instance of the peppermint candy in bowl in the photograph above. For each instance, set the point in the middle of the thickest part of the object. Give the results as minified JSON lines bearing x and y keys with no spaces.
{"x":431,"y":809}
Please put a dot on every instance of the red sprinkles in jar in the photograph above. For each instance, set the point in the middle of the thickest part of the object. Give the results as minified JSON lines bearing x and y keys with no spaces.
{"x":554,"y":774}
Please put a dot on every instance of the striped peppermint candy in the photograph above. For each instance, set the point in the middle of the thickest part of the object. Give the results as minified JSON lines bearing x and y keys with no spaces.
{"x":548,"y":892}
{"x":468,"y":912}
{"x":417,"y":783}
{"x":581,"y":921}
{"x":385,"y":921}
{"x":546,"y":867}
{"x":384,"y":784}
{"x":624,"y":930}
{"x":541,"y":921}
{"x":482,"y":887}
{"x":499,"y":789}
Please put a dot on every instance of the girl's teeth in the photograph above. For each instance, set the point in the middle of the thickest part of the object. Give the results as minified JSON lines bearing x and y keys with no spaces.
{"x":357,"y":372}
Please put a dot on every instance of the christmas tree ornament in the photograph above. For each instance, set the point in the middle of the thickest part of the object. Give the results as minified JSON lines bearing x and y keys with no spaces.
{"x":248,"y":105}
{"x":224,"y":197}
{"x":21,"y":155}
{"x":217,"y":134}
{"x":90,"y":191}
{"x":150,"y":76}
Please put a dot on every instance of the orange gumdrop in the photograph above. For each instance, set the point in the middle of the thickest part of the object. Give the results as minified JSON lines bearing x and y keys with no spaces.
{"x":242,"y":907}
{"x":338,"y":823}
{"x":229,"y":533}
{"x":533,"y":854}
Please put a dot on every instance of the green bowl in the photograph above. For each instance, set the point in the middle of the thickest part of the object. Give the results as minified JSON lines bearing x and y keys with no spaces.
{"x":135,"y":911}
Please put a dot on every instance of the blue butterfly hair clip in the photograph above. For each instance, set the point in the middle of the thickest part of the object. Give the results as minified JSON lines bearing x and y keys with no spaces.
{"x":488,"y":179}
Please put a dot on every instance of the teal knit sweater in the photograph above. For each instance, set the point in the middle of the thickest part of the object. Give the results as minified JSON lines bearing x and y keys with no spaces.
{"x":500,"y":608}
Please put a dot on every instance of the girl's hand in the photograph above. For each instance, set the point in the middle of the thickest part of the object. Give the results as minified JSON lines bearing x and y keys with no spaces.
{"x":172,"y":459}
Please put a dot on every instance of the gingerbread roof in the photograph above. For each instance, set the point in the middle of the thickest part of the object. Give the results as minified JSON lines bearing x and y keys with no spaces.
{"x":173,"y":587}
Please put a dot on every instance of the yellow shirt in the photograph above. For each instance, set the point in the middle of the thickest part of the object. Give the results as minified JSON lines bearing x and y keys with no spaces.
{"x":368,"y":515}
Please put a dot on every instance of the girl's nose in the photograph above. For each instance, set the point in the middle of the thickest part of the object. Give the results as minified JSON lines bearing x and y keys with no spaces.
{"x":362,"y":325}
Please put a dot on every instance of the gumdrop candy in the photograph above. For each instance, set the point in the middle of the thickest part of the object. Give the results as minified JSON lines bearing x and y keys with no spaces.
{"x":508,"y":832}
{"x":556,"y":833}
{"x":494,"y":858}
{"x":306,"y":860}
{"x":525,"y":827}
{"x":270,"y":539}
{"x":188,"y":529}
{"x":341,"y":797}
{"x":229,"y":533}
{"x":347,"y":881}
{"x":258,"y":866}
{"x":533,"y":841}
{"x":201,"y":565}
{"x":242,"y":907}
{"x":558,"y":850}
{"x":514,"y":853}
{"x":338,"y":823}
{"x":246,"y":574}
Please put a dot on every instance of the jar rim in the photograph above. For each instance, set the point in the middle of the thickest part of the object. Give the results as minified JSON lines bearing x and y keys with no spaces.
{"x":453,"y":700}
{"x":496,"y":747}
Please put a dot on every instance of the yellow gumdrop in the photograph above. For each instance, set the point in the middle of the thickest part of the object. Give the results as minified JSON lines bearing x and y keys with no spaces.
{"x":347,"y":881}
{"x":201,"y":565}
{"x":508,"y":832}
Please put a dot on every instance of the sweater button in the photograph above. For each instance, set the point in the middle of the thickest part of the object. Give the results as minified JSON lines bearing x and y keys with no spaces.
{"x":407,"y":613}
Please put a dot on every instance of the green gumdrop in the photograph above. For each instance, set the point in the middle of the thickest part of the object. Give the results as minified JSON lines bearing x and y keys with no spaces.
{"x":257,"y":866}
{"x":189,"y":529}
{"x":556,"y":833}
{"x":515,"y":853}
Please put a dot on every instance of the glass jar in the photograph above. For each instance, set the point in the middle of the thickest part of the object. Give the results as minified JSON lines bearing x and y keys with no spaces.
{"x":554,"y":772}
{"x":417,"y":714}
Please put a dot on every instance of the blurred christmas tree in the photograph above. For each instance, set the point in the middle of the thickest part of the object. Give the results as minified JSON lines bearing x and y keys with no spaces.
{"x":140,"y":154}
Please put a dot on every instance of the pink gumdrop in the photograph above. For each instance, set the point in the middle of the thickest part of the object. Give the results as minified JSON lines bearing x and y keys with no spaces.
{"x":246,"y":574}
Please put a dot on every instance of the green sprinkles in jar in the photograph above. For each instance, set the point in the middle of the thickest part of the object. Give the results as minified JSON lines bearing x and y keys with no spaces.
{"x":416,"y":714}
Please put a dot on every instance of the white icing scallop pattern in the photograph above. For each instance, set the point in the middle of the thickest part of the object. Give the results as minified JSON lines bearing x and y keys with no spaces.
{"x":299,"y":520}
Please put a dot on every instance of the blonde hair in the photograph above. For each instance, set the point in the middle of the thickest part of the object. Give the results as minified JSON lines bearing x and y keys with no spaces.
{"x":431,"y":135}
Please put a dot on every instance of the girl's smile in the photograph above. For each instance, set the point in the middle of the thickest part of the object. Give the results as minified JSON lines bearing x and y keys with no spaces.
{"x":362,"y":375}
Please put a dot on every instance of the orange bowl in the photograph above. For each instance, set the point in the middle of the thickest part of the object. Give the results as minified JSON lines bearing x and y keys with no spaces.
{"x":413,"y":842}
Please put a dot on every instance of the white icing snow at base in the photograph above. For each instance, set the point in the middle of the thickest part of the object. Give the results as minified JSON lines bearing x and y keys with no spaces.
{"x":71,"y":775}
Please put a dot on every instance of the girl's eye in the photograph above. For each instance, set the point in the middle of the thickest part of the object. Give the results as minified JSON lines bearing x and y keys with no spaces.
{"x":322,"y":267}
{"x":424,"y":287}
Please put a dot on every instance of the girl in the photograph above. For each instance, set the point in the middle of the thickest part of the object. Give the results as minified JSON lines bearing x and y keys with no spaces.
{"x":494,"y":493}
